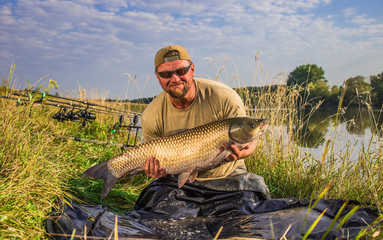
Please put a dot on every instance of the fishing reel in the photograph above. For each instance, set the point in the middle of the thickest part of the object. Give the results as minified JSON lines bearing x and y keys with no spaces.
{"x":88,"y":116}
{"x":72,"y":115}
{"x":61,"y":114}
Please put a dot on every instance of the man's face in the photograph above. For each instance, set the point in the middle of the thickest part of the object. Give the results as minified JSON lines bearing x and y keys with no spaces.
{"x":176,"y":86}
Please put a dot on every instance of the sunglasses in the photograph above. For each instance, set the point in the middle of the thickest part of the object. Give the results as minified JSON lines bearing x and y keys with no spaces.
{"x":179,"y":72}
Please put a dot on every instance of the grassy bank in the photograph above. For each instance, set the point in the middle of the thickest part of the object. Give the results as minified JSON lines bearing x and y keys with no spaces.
{"x":37,"y":168}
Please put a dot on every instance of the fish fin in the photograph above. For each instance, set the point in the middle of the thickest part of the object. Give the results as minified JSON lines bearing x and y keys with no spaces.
{"x":101,"y":171}
{"x":136,"y":171}
{"x":220,"y":156}
{"x":193,"y":176}
{"x":182,"y":178}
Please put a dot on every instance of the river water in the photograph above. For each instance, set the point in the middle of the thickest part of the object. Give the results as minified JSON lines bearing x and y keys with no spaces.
{"x":355,"y":131}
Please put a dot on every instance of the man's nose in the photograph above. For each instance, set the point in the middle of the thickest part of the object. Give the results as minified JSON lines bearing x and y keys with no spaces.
{"x":175,"y":78}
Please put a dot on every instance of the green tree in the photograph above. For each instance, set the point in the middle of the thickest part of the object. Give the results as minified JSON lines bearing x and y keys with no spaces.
{"x":334,"y":96}
{"x":306,"y":74}
{"x":311,"y":83}
{"x":356,"y":91}
{"x":377,"y":89}
{"x":318,"y":91}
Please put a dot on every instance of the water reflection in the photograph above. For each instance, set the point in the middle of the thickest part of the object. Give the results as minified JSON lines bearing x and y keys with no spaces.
{"x":357,"y":124}
{"x":313,"y":126}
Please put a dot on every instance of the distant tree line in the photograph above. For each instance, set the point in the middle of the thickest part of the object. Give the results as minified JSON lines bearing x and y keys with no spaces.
{"x":138,"y":100}
{"x":313,"y":88}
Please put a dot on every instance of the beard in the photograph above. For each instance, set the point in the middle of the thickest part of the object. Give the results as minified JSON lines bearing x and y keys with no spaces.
{"x":179,"y":93}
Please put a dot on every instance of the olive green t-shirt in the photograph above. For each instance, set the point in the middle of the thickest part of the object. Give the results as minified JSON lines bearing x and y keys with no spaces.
{"x":213,"y":101}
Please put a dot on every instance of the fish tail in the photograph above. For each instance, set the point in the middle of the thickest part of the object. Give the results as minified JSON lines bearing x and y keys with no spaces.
{"x":101,"y":171}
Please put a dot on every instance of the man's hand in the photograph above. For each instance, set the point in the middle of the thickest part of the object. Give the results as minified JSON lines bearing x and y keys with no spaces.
{"x":238,"y":153}
{"x":153,"y":169}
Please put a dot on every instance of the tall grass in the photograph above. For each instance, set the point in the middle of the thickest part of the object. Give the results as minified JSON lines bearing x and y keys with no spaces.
{"x":36,"y":169}
{"x":30,"y":173}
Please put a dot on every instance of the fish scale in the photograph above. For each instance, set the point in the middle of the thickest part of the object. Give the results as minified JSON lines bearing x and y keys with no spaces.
{"x":174,"y":150}
{"x":185,"y":153}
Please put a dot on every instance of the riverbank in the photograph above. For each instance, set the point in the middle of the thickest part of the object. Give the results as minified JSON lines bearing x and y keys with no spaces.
{"x":37,"y":168}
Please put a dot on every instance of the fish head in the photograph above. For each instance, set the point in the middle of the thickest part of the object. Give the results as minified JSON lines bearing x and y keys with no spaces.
{"x":246,"y":129}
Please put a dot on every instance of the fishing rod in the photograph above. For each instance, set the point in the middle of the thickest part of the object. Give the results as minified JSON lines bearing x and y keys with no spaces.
{"x":85,"y":113}
{"x":62,"y":114}
{"x":86,"y":103}
{"x":72,"y":111}
{"x":19,"y":102}
{"x":88,"y":113}
{"x":89,"y":105}
{"x":13,"y":98}
{"x":131,"y":127}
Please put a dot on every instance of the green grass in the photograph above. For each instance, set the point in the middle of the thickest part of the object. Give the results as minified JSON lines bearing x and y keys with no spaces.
{"x":36,"y":169}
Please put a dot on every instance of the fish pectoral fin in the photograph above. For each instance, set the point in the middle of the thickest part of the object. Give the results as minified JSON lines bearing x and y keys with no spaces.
{"x":183,"y":177}
{"x":193,"y":176}
{"x":136,"y":171}
{"x":220,"y":156}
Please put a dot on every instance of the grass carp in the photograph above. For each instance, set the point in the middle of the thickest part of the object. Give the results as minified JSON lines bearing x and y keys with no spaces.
{"x":184,"y":153}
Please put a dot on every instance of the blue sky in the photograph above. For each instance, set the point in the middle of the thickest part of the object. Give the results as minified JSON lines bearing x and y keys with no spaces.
{"x":103,"y":44}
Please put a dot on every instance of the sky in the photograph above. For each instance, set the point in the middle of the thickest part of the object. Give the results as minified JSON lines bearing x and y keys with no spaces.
{"x":108,"y":46}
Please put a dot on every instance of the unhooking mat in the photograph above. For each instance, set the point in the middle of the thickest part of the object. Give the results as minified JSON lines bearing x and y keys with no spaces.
{"x":163,"y":211}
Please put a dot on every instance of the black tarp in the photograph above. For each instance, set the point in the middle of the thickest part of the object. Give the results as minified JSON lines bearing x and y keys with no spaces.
{"x":163,"y":211}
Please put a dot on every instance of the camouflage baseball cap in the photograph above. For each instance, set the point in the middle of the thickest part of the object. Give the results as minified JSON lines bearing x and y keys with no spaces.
{"x":160,"y":59}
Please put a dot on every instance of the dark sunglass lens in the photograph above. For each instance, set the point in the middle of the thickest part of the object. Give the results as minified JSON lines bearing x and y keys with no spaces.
{"x":166,"y":74}
{"x":181,"y":71}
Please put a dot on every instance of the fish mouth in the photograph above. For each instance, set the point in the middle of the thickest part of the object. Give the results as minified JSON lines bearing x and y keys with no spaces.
{"x":261,"y":129}
{"x":264,"y":125}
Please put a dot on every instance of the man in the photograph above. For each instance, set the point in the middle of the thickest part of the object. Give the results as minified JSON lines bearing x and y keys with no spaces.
{"x":187,"y":102}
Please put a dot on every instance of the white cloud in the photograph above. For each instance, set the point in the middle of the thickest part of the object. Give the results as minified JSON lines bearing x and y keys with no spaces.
{"x":97,"y":39}
{"x":363,"y":20}
{"x":348,"y":12}
{"x":289,"y":7}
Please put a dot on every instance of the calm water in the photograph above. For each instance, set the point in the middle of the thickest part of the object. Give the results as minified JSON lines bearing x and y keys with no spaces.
{"x":356,"y":129}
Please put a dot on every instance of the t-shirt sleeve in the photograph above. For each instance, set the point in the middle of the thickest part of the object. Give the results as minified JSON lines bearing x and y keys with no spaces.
{"x":148,"y":126}
{"x":232,"y":104}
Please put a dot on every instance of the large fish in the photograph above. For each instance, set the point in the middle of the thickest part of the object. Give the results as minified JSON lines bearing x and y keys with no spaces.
{"x":184,"y":153}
